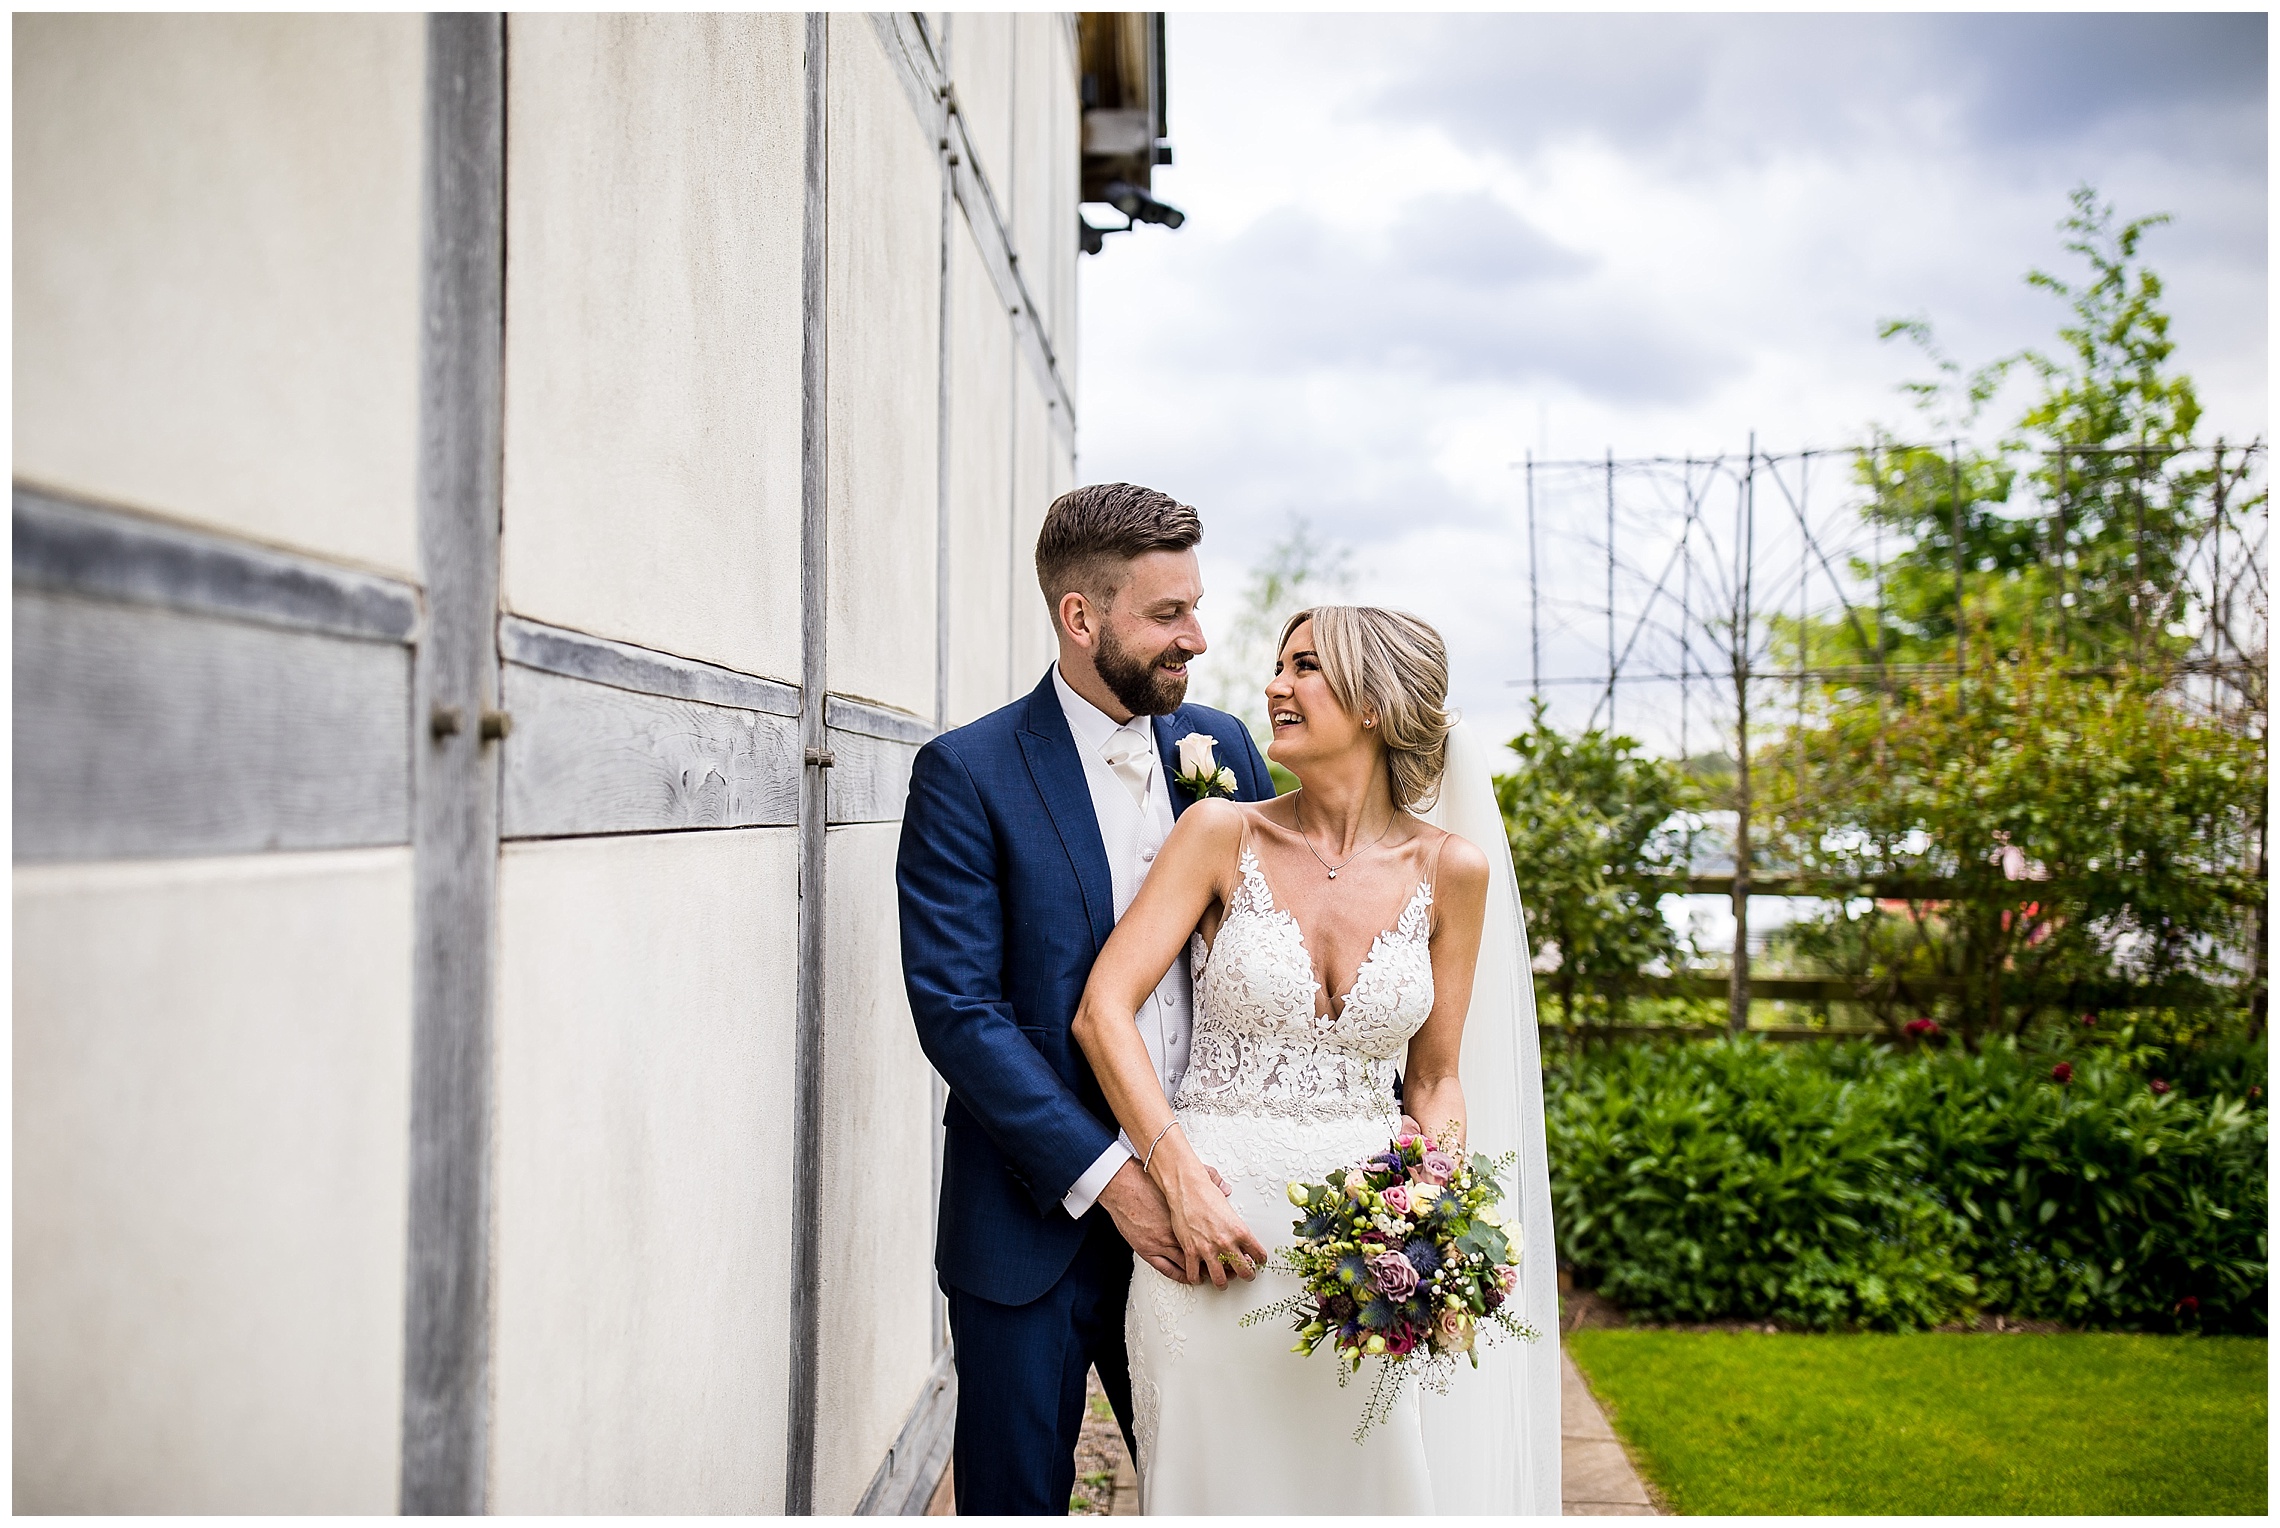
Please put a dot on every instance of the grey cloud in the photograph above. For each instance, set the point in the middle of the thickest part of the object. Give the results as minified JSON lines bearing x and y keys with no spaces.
{"x":1249,"y":450}
{"x":2044,"y":76}
{"x":1460,"y":289}
{"x":1710,"y":90}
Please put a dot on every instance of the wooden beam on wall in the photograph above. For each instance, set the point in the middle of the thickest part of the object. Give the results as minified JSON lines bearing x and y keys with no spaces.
{"x":613,"y":738}
{"x":815,"y":563}
{"x":145,"y":733}
{"x":181,"y":692}
{"x":455,"y":839}
{"x":906,"y":1478}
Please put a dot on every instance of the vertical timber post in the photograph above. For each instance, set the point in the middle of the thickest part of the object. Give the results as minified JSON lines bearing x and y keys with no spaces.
{"x":2065,"y":617}
{"x":2218,"y":620}
{"x":1876,"y":563}
{"x":1611,"y":589}
{"x":1535,"y":621}
{"x":445,"y":1460}
{"x":1955,"y":533}
{"x":938,"y":1315}
{"x":1804,"y":595}
{"x":2144,"y":593}
{"x":1686,"y":629}
{"x":807,"y":1061}
{"x":1738,"y":980}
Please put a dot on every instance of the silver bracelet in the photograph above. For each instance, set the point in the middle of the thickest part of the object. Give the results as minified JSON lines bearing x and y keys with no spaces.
{"x":1152,"y":1145}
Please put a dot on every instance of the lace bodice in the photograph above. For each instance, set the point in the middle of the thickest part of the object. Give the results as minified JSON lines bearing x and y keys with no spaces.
{"x":1260,"y":1048}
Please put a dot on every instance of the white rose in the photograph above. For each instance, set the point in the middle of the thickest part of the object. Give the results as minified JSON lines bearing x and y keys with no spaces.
{"x":1195,"y":754}
{"x":1227,"y":781}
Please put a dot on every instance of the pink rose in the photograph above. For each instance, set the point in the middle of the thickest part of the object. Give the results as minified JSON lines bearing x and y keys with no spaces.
{"x":1437,"y":1168}
{"x":1397,"y":1199}
{"x":1396,"y":1279}
{"x":1507,"y":1277}
{"x":1453,"y":1333}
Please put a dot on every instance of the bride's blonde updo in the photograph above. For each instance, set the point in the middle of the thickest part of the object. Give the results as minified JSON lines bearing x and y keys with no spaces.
{"x":1391,"y":665}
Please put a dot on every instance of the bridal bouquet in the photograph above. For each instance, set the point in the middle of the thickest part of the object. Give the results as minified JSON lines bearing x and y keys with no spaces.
{"x":1403,"y":1257}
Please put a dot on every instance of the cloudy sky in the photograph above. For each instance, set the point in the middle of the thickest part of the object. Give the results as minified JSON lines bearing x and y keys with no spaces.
{"x":1418,"y":247}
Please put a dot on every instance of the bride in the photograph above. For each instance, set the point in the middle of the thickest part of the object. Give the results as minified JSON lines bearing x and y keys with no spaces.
{"x":1340,"y":941}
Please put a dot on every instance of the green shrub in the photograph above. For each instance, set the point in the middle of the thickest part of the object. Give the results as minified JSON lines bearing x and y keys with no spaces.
{"x":1840,"y":1185}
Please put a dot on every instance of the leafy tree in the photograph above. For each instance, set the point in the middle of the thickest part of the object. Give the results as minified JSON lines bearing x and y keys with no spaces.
{"x":1589,"y":818}
{"x":2092,"y":555}
{"x":2088,"y":840}
{"x":2015,"y":713}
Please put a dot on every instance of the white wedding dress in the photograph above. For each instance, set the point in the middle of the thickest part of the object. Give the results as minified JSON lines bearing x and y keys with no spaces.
{"x":1228,"y":1419}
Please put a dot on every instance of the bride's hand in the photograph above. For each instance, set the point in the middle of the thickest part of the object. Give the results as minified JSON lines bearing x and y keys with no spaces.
{"x":1213,"y":1239}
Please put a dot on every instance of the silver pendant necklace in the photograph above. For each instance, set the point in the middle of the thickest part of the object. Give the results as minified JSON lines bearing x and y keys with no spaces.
{"x":1303,"y":838}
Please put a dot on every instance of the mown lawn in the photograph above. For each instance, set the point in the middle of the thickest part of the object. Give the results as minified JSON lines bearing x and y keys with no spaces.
{"x":1735,"y":1422}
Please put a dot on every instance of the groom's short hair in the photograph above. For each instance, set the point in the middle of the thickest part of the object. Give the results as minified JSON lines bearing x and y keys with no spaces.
{"x":1091,"y":532}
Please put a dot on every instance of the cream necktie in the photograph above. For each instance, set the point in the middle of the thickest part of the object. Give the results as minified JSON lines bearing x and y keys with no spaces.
{"x":1133,"y":759}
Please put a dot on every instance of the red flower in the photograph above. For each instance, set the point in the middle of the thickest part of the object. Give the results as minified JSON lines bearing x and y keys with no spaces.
{"x":2063,"y":1072}
{"x":2158,"y":1085}
{"x":2089,"y":1021}
{"x":2188,"y":1306}
{"x":2254,"y":1091}
{"x":1921,"y":1027}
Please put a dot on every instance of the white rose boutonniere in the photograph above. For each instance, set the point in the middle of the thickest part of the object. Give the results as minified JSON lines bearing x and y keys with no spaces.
{"x":1200,"y":769}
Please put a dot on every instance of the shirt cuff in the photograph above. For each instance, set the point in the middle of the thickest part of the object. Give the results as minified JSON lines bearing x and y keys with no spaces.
{"x":1086,"y":1189}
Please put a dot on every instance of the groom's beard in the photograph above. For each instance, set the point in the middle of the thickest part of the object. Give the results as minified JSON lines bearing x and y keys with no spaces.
{"x":1141,"y":683}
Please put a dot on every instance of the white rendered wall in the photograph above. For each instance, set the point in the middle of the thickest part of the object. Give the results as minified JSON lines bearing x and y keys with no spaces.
{"x":1061,"y":252}
{"x":986,"y":567}
{"x":1040,"y":474}
{"x":1057,"y":250}
{"x":217,"y":225}
{"x":643,"y":1196}
{"x":884,"y":251}
{"x":655,"y":184}
{"x":981,"y":70}
{"x":1043,"y":156}
{"x":878,"y":1193}
{"x":211,"y":1131}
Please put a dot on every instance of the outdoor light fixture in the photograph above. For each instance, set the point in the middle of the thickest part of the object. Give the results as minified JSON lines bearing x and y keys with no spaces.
{"x":1122,"y":125}
{"x":1140,"y":207}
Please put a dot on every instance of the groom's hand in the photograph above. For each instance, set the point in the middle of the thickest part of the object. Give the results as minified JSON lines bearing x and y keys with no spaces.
{"x":1144,"y":1220}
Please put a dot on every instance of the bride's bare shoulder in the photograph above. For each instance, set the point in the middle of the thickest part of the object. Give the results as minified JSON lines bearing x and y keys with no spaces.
{"x":1463,"y":867}
{"x":1215,"y":820}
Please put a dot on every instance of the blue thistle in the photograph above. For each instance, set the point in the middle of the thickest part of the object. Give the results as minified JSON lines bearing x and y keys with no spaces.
{"x":1424,"y":1257}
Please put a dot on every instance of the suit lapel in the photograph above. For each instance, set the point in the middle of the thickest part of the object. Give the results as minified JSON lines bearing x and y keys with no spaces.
{"x":1051,"y":754}
{"x":1169,"y":731}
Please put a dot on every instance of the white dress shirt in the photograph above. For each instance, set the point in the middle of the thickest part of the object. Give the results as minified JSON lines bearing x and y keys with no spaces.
{"x":1131,"y":833}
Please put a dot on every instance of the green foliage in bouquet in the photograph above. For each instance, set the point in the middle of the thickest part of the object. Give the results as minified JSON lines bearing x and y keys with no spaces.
{"x":1845,"y":1185}
{"x":1402,"y":1257}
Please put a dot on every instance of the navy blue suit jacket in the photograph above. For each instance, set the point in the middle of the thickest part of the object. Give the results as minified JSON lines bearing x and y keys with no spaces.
{"x":1005,"y":899}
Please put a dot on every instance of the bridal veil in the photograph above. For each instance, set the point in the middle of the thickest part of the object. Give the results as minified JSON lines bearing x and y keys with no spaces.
{"x":1493,"y":1442}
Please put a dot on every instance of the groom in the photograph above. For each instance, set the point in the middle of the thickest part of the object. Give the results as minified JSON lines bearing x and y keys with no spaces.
{"x":1026,"y":836}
